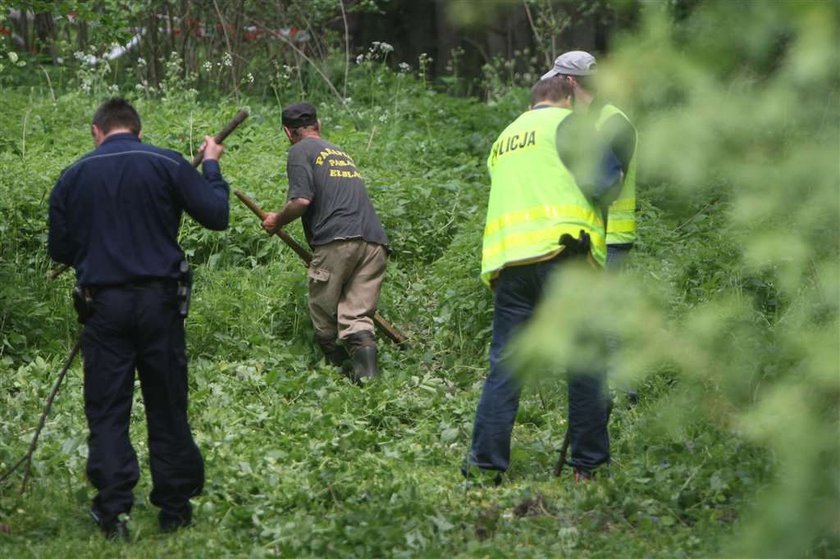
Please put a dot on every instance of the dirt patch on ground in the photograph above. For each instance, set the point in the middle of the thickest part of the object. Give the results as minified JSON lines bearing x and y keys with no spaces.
{"x":485,"y":525}
{"x":535,"y":506}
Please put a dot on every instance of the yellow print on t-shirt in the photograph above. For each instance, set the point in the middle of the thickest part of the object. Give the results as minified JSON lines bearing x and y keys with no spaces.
{"x":338,"y":173}
{"x":327,"y":152}
{"x":341,"y":165}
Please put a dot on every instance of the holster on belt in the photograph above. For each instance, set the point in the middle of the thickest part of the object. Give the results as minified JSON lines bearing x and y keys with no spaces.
{"x":83,"y":303}
{"x":184,"y":289}
{"x":576,"y":247}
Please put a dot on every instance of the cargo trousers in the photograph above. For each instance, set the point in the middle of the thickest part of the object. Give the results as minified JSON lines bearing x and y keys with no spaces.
{"x":345,"y":279}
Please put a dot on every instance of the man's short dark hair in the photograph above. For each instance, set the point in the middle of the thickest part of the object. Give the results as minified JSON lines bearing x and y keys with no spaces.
{"x":551,"y":89}
{"x":116,"y":113}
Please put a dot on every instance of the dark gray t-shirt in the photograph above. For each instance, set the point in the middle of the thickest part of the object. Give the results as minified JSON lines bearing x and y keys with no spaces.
{"x":340,"y":207}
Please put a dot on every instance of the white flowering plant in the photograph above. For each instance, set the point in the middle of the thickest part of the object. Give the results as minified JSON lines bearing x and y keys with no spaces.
{"x":177,"y":83}
{"x":92,"y":72}
{"x":12,"y":59}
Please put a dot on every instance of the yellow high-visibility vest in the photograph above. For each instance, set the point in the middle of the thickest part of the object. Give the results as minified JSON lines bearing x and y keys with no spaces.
{"x":621,"y":219}
{"x":533,"y":197}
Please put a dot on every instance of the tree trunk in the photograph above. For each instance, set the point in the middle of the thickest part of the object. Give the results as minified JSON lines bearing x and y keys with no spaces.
{"x":45,"y":33}
{"x":82,"y":35}
{"x":151,"y":42}
{"x":20,"y":24}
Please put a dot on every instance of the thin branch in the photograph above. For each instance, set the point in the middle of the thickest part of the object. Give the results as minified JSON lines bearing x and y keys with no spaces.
{"x":370,"y":140}
{"x":346,"y":46}
{"x":315,"y":66}
{"x":312,"y":34}
{"x":32,"y":445}
{"x":478,"y":47}
{"x":230,"y":50}
{"x":299,"y":75}
{"x":709,"y":204}
{"x":49,"y":83}
{"x":536,"y":33}
{"x":23,"y":134}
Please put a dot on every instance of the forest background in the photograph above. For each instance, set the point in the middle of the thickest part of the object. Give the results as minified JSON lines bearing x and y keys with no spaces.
{"x":728,"y":314}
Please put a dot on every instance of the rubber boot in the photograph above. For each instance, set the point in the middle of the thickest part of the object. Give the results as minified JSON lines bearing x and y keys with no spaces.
{"x":335,"y":354}
{"x":362,"y":365}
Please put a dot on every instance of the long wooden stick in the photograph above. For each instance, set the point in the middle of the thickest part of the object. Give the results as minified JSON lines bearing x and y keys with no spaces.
{"x":220,"y":137}
{"x":32,"y":445}
{"x":564,"y":452}
{"x":199,"y":157}
{"x":384,"y":326}
{"x":567,"y":439}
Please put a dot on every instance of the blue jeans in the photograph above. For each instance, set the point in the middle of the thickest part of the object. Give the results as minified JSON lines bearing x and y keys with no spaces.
{"x":617,"y":255}
{"x":519,"y":290}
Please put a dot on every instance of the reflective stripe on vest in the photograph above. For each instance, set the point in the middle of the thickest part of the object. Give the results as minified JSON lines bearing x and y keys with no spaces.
{"x":621,"y":221}
{"x":533,"y":197}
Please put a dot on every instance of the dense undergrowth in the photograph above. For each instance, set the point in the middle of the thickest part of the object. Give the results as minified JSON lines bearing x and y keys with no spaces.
{"x":302,"y":463}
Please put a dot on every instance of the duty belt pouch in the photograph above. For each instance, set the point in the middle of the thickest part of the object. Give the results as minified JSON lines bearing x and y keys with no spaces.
{"x":184,"y":289}
{"x":83,"y":303}
{"x":577,"y":247}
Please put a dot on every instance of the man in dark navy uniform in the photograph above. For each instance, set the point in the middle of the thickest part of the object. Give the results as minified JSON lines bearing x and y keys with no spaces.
{"x":114,"y":216}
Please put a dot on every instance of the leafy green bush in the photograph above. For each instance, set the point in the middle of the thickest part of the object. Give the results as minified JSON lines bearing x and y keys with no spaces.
{"x":743,"y":115}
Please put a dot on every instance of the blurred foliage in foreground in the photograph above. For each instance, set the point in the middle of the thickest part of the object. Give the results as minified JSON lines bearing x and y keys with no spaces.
{"x":737,"y":108}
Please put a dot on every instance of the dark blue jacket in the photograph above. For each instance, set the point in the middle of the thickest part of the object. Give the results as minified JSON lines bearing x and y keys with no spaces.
{"x":115,"y":213}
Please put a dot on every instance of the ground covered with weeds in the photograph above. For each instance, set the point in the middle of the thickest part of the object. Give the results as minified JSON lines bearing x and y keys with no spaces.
{"x":300,"y":462}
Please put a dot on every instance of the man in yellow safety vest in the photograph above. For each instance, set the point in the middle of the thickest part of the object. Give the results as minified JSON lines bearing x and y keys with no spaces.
{"x":615,"y":128}
{"x":550,"y":187}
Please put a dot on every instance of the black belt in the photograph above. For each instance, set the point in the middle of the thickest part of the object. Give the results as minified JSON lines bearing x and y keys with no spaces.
{"x":138,"y":283}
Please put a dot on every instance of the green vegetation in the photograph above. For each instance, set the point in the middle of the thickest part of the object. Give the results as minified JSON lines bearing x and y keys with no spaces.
{"x":729,"y":320}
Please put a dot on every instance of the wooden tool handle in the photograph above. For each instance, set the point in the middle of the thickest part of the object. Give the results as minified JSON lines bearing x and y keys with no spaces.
{"x":305,"y":255}
{"x":220,"y":137}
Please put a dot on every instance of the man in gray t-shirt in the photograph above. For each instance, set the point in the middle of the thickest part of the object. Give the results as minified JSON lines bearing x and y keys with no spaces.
{"x":348,"y":242}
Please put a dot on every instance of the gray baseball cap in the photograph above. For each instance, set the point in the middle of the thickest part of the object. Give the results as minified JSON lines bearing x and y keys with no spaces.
{"x":572,"y":63}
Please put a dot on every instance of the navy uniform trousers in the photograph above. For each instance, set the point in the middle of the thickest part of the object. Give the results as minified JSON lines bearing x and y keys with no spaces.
{"x":138,"y":326}
{"x":519,"y":290}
